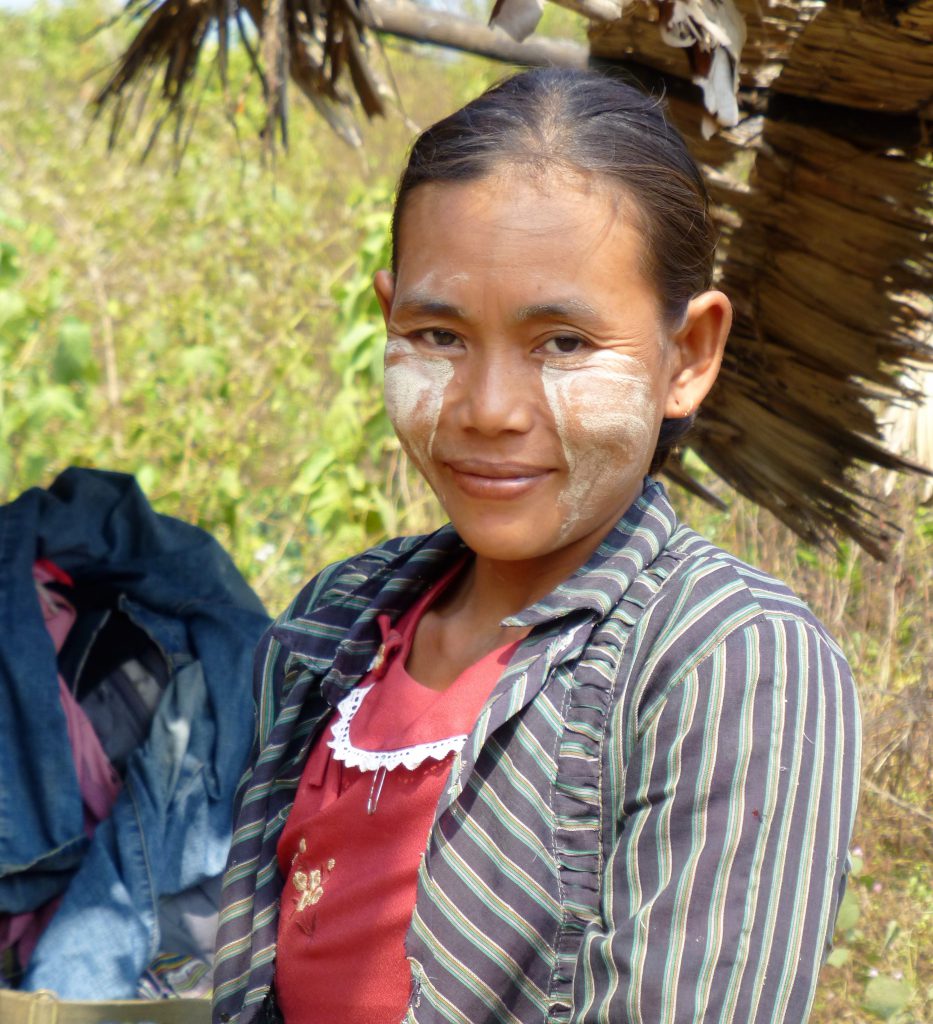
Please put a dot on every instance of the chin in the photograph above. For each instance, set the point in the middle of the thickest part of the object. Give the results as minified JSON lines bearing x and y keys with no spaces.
{"x":515,"y":542}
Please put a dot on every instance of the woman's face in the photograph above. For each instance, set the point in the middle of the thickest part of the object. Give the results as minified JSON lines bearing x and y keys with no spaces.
{"x":527,"y":364}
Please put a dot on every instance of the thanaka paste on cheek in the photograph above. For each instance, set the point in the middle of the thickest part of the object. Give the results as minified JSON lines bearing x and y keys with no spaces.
{"x":604,"y":413}
{"x":414,"y":394}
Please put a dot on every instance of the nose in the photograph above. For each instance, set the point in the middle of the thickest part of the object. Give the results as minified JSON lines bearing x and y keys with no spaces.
{"x":493,"y":394}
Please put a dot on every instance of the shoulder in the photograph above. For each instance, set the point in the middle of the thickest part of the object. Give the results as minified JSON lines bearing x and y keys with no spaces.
{"x":712,"y":601}
{"x":345,"y":598}
{"x":338,"y":582}
{"x":722,"y":640}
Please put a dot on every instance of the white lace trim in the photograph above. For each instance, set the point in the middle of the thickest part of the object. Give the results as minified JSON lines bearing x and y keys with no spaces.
{"x":373,"y":760}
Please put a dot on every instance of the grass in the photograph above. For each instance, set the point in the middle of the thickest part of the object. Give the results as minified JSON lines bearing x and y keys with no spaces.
{"x":197,"y":330}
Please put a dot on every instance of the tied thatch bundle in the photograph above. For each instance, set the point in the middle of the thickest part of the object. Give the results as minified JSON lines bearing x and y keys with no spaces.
{"x":822,"y":185}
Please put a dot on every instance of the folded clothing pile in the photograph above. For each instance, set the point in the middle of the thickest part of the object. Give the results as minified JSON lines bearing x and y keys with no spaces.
{"x":126,"y":642}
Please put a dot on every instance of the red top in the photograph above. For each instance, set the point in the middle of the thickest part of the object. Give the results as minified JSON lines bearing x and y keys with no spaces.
{"x":351,"y":875}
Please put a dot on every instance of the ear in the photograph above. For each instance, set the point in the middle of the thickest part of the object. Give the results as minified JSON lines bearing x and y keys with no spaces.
{"x":697,"y":352}
{"x":384,"y":286}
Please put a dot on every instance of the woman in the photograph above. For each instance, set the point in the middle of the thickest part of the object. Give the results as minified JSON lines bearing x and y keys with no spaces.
{"x":562,"y":760}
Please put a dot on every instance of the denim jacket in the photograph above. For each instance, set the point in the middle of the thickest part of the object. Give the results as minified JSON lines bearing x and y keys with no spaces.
{"x":170,"y":827}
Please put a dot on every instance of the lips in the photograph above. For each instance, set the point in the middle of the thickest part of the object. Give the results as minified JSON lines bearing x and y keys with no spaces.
{"x":499,"y":480}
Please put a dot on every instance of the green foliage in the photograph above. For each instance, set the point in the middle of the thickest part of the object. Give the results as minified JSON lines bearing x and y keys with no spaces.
{"x":346,"y":501}
{"x":38,"y":398}
{"x":357,"y":482}
{"x":886,"y":997}
{"x":212,"y":331}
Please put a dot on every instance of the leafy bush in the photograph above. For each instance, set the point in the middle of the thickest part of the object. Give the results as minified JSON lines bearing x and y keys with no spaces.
{"x":357,"y":480}
{"x":39,"y":397}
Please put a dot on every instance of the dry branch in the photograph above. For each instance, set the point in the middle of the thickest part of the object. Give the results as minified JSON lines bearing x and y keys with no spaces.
{"x":904,"y":805}
{"x":409,"y":21}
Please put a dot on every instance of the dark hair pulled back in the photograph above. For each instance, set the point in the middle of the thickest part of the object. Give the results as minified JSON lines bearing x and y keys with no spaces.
{"x":585,"y":121}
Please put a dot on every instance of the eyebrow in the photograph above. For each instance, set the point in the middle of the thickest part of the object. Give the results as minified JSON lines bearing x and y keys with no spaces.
{"x":568,"y":309}
{"x":422,"y":304}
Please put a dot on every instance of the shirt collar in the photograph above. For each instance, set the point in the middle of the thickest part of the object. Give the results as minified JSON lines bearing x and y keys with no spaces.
{"x":630,"y":547}
{"x":349,"y":619}
{"x":365,"y":588}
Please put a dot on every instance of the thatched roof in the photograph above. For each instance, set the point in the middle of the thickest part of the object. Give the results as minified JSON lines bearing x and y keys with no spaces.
{"x":822,"y":193}
{"x":825,"y":244}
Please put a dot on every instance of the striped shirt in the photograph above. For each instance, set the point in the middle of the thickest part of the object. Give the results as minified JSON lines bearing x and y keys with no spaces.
{"x":649,"y":821}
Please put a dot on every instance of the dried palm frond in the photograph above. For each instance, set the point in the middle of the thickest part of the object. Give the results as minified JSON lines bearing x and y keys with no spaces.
{"x":517,"y":17}
{"x":711,"y":33}
{"x":317,"y":44}
{"x":909,"y":431}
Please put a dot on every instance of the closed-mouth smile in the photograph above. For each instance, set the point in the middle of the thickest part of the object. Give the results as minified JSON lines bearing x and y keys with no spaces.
{"x":484,"y":478}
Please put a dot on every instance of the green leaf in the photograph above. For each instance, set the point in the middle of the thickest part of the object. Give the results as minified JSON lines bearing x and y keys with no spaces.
{"x":886,"y":996}
{"x":228,"y":483}
{"x":353,"y":477}
{"x":312,"y":472}
{"x":9,"y":264}
{"x":202,"y":361}
{"x":74,"y":359}
{"x":806,"y":556}
{"x":839,"y":957}
{"x":37,"y":466}
{"x":8,"y":220}
{"x":43,"y":240}
{"x":849,"y":912}
{"x":12,"y":309}
{"x":52,"y":401}
{"x":146,"y":476}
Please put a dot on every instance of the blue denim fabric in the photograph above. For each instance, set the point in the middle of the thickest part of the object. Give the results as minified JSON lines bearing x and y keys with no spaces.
{"x":170,"y":827}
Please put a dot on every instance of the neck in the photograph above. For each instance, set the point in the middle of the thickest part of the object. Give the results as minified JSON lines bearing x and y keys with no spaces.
{"x":493,"y":590}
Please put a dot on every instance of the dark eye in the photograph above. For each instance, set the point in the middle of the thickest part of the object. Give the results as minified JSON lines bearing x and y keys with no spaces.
{"x":439,"y":337}
{"x":564,"y":345}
